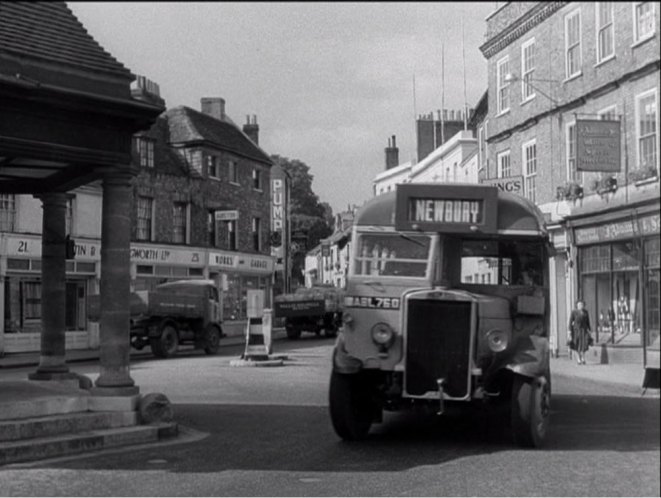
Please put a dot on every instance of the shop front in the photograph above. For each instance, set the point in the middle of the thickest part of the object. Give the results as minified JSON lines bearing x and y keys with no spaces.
{"x":156,"y":264}
{"x":618,"y":276}
{"x":21,"y":304}
{"x":236,"y":274}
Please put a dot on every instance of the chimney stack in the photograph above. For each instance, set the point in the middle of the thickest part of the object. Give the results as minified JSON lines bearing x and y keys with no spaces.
{"x":214,"y":107}
{"x":392,"y":153}
{"x":251,"y":128}
{"x":146,"y":90}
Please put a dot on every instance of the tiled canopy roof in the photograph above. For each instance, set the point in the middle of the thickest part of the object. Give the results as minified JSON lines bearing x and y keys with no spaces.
{"x":49,"y":31}
{"x":188,"y":125}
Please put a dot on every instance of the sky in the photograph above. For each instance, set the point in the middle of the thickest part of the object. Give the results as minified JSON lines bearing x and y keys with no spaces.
{"x":330,"y":83}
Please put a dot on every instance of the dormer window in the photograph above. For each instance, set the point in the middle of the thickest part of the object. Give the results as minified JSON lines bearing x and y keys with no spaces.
{"x":145,"y":149}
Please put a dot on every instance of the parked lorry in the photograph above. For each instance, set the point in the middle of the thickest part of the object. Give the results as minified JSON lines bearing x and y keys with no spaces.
{"x":184,"y":311}
{"x":313,"y":309}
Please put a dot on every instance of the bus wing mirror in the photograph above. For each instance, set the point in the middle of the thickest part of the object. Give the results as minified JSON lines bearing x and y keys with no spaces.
{"x":530,"y":305}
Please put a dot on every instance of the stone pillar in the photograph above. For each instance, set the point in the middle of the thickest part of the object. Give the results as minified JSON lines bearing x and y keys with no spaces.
{"x":52,"y":363}
{"x":114,"y":377}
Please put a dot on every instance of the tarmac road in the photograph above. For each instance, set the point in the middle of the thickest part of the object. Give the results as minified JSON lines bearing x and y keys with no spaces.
{"x":266,"y":432}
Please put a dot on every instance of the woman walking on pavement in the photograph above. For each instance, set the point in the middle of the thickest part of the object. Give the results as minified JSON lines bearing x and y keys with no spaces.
{"x":579,"y":331}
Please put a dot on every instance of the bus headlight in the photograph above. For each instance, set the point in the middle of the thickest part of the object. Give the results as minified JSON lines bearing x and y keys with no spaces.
{"x":383,"y":334}
{"x":497,"y":340}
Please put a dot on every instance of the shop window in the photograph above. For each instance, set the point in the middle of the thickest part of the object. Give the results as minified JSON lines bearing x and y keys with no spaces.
{"x":82,"y":267}
{"x":179,"y":271}
{"x":7,"y":212}
{"x":144,"y":218}
{"x":162,"y":270}
{"x":596,"y":259}
{"x":232,"y":298}
{"x":644,"y":20}
{"x":31,"y":300}
{"x":573,"y":44}
{"x":195,"y":272}
{"x":179,"y":223}
{"x":18,"y":264}
{"x":626,"y":288}
{"x":605,"y":36}
{"x":652,"y":283}
{"x":144,"y":269}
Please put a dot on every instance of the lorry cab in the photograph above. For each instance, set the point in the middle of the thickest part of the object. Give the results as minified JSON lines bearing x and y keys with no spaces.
{"x":446,"y":303}
{"x":206,"y":287}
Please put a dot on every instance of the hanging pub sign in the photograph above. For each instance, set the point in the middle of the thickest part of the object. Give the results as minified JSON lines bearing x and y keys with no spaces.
{"x":598,"y":145}
{"x":446,"y":208}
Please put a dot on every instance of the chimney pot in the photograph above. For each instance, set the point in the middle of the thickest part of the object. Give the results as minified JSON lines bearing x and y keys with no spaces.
{"x":214,"y":107}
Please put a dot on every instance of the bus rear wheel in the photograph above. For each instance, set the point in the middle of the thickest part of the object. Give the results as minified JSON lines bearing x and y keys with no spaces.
{"x":351,"y":404}
{"x":531,"y":406}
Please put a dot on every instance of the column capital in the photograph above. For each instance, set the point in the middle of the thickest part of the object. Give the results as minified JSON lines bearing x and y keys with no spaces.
{"x":120,"y":176}
{"x":53,"y":198}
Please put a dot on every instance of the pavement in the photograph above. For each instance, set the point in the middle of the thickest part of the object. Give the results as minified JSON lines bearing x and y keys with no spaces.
{"x":628,"y":375}
{"x":18,"y":360}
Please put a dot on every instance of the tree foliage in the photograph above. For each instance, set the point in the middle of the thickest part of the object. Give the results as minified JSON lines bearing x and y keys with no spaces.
{"x":308,"y":214}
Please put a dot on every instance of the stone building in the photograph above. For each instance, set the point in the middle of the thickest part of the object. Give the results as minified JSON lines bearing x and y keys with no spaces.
{"x":551,"y":65}
{"x":200,"y":208}
{"x":202,"y":204}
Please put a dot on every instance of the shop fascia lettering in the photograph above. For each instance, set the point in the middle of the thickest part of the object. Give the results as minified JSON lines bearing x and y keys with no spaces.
{"x":240,"y":262}
{"x":31,"y":248}
{"x":277,"y":187}
{"x":162,"y":255}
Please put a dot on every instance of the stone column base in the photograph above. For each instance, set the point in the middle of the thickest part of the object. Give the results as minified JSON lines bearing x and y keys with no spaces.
{"x":115,"y":391}
{"x":112,"y":403}
{"x":45,"y":375}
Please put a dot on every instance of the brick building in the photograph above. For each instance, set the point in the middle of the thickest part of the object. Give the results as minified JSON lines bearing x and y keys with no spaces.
{"x":549,"y":65}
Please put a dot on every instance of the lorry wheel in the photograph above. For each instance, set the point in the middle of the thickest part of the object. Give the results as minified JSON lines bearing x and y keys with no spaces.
{"x":292,"y":332}
{"x":351,"y":407}
{"x":531,"y":403}
{"x":167,"y":344}
{"x":212,"y":340}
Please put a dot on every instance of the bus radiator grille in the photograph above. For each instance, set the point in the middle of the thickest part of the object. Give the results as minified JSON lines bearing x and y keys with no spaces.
{"x":438,"y":346}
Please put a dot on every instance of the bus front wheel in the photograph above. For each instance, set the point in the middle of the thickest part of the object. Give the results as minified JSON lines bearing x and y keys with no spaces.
{"x":531,"y":402}
{"x":351,"y":406}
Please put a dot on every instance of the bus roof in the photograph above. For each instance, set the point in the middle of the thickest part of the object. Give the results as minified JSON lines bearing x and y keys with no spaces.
{"x":516,"y":214}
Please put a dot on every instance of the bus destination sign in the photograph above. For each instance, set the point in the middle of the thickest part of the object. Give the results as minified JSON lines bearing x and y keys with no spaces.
{"x":449,"y":208}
